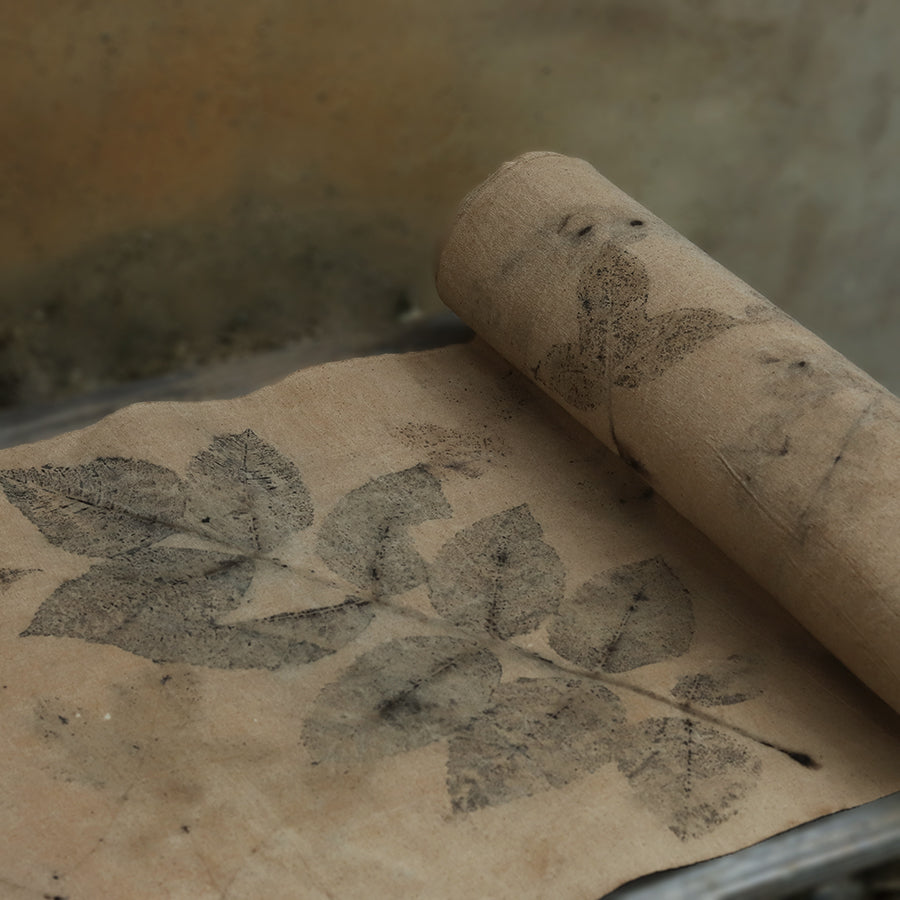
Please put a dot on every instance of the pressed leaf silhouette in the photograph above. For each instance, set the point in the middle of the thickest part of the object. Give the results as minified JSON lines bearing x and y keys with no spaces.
{"x":365,"y":538}
{"x":167,"y":603}
{"x":134,"y":600}
{"x":467,"y":453}
{"x":323,"y":628}
{"x":404,"y":694}
{"x":497,"y":575}
{"x":244,"y":493}
{"x":104,"y":507}
{"x":10,"y":576}
{"x":691,"y":774}
{"x":618,"y":342}
{"x":725,"y":684}
{"x":536,"y":734}
{"x":631,"y":616}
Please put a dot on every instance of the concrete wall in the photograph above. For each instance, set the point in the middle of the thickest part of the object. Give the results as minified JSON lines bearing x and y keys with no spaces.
{"x":182,"y":180}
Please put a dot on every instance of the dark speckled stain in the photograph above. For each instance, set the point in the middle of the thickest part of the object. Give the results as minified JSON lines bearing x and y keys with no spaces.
{"x":11,"y":576}
{"x":83,"y":746}
{"x":102,"y":508}
{"x":166,"y":603}
{"x":724,"y":685}
{"x":497,"y":575}
{"x":467,"y":453}
{"x":493,"y":580}
{"x":246,"y":494}
{"x":618,"y":344}
{"x":631,"y":616}
{"x":404,"y":694}
{"x":537,"y":733}
{"x":692,"y":774}
{"x":794,"y":390}
{"x":365,"y":538}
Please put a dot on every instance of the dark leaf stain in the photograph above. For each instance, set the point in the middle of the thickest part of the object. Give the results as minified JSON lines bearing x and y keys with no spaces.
{"x":537,"y":734}
{"x":691,"y":774}
{"x":102,"y":508}
{"x":365,"y":538}
{"x":11,"y":576}
{"x":618,"y":343}
{"x":467,"y":453}
{"x":163,"y":603}
{"x":245,"y":494}
{"x":628,"y":617}
{"x":728,"y":684}
{"x":497,"y":575}
{"x":404,"y":694}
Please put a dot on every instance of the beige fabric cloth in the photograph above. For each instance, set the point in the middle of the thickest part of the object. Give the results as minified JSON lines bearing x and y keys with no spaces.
{"x":395,"y":627}
{"x":755,"y":430}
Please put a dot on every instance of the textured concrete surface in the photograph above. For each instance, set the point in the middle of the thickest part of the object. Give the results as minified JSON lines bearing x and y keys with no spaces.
{"x":183,"y":182}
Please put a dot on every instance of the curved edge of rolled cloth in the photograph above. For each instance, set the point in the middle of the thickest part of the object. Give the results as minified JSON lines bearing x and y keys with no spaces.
{"x":756,"y":431}
{"x":471,"y":198}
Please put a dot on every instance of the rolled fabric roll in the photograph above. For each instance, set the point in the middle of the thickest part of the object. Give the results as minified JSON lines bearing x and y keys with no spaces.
{"x":755,"y":430}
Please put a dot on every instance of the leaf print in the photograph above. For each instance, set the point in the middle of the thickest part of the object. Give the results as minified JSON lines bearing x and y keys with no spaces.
{"x":167,"y":603}
{"x":145,"y":599}
{"x":691,"y":774}
{"x":618,"y":343}
{"x":11,"y":576}
{"x":536,"y":734}
{"x":102,"y":508}
{"x":325,"y":628}
{"x":467,"y":453}
{"x":631,"y":616}
{"x":404,"y":694}
{"x":365,"y":538}
{"x":724,"y":685}
{"x":245,"y":494}
{"x":498,"y":575}
{"x":164,"y":604}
